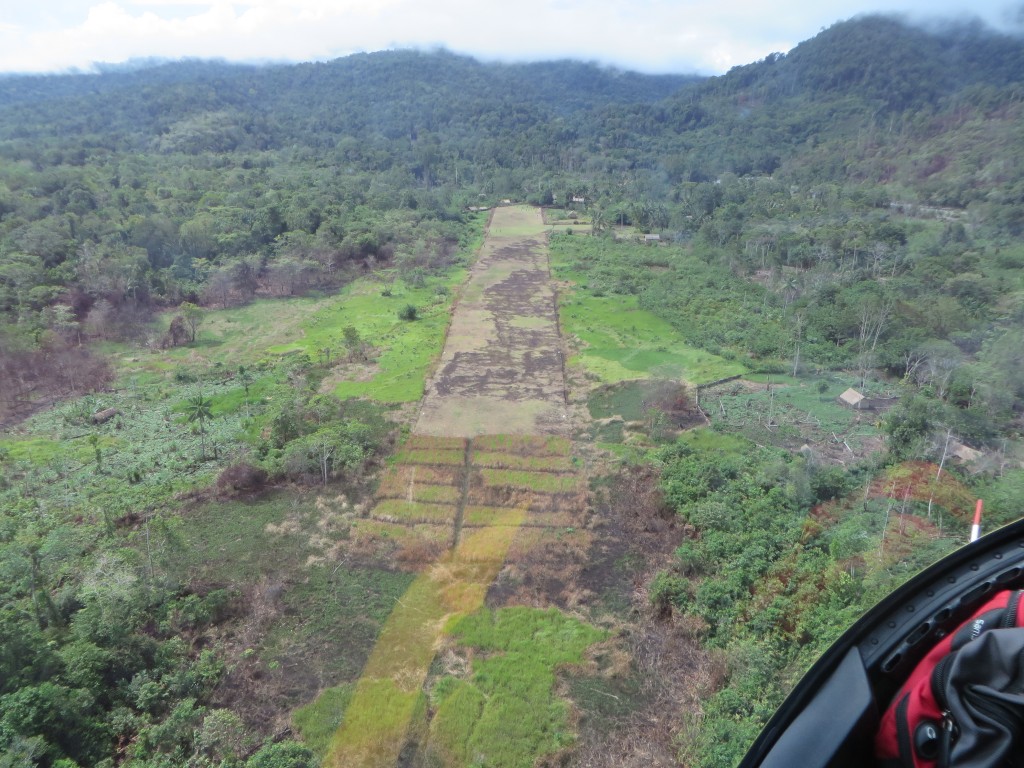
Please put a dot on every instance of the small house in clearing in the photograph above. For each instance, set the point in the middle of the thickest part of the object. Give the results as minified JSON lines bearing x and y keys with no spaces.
{"x":852,"y":398}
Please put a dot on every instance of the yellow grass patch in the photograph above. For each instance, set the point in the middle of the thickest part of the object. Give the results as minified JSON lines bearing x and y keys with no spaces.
{"x":538,"y":482}
{"x":525,"y":445}
{"x":388,"y":702}
{"x":496,"y":460}
{"x":483,"y":415}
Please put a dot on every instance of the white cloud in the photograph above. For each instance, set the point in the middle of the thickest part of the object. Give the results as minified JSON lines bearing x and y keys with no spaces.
{"x":653,"y":35}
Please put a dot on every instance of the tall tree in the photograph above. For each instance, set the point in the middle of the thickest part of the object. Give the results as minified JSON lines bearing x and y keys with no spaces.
{"x":193,"y":317}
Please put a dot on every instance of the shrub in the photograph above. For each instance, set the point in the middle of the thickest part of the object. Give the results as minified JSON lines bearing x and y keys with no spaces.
{"x":286,"y":754}
{"x":408,"y":312}
{"x":668,"y":590}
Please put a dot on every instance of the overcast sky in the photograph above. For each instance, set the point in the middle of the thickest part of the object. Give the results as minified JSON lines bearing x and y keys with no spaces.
{"x":682,"y":36}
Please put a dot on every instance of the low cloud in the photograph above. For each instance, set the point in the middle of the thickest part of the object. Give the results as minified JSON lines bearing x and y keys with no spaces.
{"x":707,"y":36}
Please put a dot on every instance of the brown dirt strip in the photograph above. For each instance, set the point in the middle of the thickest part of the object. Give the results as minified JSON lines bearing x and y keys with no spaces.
{"x":501,"y":369}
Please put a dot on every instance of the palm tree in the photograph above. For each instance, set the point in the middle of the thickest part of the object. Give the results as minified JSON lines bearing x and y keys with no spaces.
{"x":199,"y":410}
{"x":246,"y":378}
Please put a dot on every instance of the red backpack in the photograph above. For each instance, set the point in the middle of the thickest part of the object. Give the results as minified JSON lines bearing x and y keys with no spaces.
{"x":963,"y":705}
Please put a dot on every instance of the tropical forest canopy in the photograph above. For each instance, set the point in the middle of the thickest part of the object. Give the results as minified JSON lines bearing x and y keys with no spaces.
{"x":854,"y":207}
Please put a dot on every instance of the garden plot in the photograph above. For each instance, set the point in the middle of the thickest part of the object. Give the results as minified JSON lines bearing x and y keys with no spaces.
{"x":793,"y":413}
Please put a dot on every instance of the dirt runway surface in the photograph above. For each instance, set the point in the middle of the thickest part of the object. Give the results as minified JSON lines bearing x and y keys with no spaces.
{"x":501,"y":371}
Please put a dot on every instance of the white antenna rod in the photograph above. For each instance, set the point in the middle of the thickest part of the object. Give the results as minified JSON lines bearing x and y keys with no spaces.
{"x":976,"y":528}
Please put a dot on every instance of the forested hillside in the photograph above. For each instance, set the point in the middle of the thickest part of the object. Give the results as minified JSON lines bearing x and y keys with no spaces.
{"x":220,"y":259}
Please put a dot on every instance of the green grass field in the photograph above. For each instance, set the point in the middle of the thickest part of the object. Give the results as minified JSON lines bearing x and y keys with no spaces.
{"x":414,"y":511}
{"x":506,"y":713}
{"x":621,"y":342}
{"x":440,"y":494}
{"x":38,"y":450}
{"x":317,"y":721}
{"x":431,"y":442}
{"x":405,"y":350}
{"x":439,"y":456}
{"x":481,"y":516}
{"x":632,"y":400}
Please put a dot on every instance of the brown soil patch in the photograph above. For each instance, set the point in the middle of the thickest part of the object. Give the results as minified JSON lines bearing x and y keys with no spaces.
{"x":348,"y":372}
{"x":653,"y":674}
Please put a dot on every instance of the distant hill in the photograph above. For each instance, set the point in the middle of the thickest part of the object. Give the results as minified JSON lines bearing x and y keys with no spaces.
{"x":394,"y":94}
{"x":934,"y":111}
{"x":872,"y":99}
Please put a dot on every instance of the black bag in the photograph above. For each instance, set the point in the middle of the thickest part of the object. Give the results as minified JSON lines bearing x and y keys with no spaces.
{"x":963,"y":705}
{"x":982,"y":686}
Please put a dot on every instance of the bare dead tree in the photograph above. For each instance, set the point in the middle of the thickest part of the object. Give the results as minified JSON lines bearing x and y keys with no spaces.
{"x":874,"y":316}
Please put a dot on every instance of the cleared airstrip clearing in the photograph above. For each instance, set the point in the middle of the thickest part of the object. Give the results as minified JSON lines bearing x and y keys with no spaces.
{"x":501,"y":371}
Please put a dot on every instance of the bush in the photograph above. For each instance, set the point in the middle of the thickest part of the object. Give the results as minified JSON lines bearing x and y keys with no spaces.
{"x":241,"y":478}
{"x":408,"y":312}
{"x":668,"y":590}
{"x":286,"y":754}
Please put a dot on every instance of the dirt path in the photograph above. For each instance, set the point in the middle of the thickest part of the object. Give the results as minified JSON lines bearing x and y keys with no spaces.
{"x":501,"y":371}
